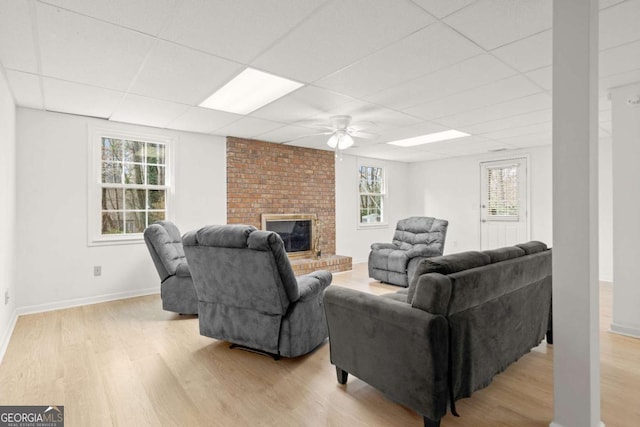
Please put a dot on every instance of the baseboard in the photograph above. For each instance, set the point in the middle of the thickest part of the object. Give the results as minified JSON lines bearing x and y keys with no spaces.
{"x":8,"y":333}
{"x":359,"y":260}
{"x":629,"y":331}
{"x":554,"y":424}
{"x":59,"y":305}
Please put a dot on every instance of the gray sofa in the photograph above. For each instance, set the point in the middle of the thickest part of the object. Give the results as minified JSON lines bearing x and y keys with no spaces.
{"x":249,"y":295}
{"x":176,"y":286}
{"x":464,"y":318}
{"x":414,"y":239}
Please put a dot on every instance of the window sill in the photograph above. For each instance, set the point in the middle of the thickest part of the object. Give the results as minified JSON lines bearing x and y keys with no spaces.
{"x":365,"y":226}
{"x":133,"y":239}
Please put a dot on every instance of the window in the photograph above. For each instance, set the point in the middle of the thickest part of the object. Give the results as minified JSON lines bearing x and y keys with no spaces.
{"x":132,"y":188}
{"x":372,"y":194}
{"x":503,"y":192}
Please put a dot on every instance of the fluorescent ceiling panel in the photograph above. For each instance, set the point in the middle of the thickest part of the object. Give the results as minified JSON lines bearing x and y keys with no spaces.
{"x":248,"y":91}
{"x":432,"y":137}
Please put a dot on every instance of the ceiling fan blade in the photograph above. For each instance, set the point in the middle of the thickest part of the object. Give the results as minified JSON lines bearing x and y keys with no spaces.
{"x":361,"y":126}
{"x":361,"y":134}
{"x":306,"y":136}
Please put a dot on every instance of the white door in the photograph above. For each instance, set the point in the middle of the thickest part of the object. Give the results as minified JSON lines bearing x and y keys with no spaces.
{"x":504,"y":213}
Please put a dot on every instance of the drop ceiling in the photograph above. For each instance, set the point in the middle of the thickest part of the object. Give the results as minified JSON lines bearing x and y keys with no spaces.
{"x":407,"y":68}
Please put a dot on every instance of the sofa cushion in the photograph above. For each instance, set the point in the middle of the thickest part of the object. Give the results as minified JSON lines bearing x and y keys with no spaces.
{"x":225,"y":236}
{"x":503,"y":254}
{"x":447,"y":264}
{"x":420,"y":230}
{"x":532,"y":247}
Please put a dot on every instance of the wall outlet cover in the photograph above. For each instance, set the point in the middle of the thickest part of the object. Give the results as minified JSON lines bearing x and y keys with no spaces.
{"x":97,"y":270}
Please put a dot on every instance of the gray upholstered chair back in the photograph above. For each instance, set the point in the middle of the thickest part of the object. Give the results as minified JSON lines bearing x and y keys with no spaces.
{"x":165,"y":246}
{"x":252,"y":268}
{"x":423,"y":231}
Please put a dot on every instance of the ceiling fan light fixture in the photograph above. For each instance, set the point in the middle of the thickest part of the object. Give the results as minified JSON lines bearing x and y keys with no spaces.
{"x":340,"y":139}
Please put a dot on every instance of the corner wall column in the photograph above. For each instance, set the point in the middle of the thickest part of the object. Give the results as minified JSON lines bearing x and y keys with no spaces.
{"x":576,"y":349}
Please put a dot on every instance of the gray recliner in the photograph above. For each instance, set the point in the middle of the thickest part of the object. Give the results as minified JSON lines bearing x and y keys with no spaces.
{"x":249,"y":295}
{"x":415,"y":239}
{"x":176,"y":286}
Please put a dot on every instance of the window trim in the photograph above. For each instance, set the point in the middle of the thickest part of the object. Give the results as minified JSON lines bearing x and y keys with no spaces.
{"x":94,"y":184}
{"x":384,"y":223}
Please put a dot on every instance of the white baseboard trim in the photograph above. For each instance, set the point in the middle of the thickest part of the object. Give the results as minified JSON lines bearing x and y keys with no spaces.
{"x":359,"y":261}
{"x":76,"y":302}
{"x":8,"y":333}
{"x":555,"y":424}
{"x":629,"y":331}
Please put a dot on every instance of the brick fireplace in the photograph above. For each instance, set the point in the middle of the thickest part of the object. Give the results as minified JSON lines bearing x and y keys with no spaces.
{"x":268,"y":178}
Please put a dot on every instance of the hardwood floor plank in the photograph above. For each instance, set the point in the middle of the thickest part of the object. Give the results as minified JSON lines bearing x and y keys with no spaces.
{"x":127,"y":362}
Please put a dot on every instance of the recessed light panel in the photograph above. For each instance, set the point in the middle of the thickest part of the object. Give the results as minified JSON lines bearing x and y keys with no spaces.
{"x":248,"y":91}
{"x":432,"y":137}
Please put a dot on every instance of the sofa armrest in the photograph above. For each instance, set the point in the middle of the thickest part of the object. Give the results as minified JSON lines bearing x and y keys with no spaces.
{"x":398,"y":349}
{"x":383,"y":246}
{"x":312,"y":284}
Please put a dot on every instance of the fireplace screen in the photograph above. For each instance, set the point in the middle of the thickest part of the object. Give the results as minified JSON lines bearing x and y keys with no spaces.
{"x":296,"y":232}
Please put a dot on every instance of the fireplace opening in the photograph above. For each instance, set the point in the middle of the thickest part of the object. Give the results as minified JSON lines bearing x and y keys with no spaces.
{"x":296,"y":231}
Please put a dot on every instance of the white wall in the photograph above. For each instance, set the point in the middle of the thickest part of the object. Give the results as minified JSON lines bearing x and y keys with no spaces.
{"x":626,"y":211}
{"x":351,"y":239}
{"x":7,"y":210}
{"x":55,"y":264}
{"x":605,"y":211}
{"x":450,"y":189}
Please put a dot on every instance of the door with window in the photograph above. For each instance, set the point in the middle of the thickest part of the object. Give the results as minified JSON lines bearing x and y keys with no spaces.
{"x":504,"y":213}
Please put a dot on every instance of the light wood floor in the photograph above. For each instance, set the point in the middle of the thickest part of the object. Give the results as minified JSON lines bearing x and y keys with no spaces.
{"x":128,"y":363}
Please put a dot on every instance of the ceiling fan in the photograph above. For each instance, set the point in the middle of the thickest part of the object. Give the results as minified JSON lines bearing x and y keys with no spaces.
{"x":342,"y":132}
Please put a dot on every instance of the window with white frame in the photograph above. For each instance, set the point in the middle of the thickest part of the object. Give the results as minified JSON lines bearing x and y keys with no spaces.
{"x":372,"y":195}
{"x":503,"y":192}
{"x":132,"y":185}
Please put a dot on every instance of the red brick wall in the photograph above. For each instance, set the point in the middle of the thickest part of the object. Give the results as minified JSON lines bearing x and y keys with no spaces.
{"x":263,"y":177}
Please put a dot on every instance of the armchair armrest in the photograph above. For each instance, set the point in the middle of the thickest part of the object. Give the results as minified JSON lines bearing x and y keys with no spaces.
{"x":383,"y":246}
{"x":312,"y":284}
{"x":398,"y":349}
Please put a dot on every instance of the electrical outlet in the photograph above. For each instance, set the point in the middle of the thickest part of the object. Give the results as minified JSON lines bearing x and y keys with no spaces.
{"x":97,"y":270}
{"x":6,"y":297}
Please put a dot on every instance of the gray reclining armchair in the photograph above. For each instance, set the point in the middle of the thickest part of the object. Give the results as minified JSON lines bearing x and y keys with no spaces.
{"x":249,"y":295}
{"x":415,"y":239}
{"x":176,"y":286}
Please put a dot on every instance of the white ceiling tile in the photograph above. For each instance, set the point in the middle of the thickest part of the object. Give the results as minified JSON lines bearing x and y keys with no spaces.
{"x":204,"y":120}
{"x":317,"y":141}
{"x":620,"y":59}
{"x":533,"y":140}
{"x":509,"y":122}
{"x":84,"y":50}
{"x":428,"y":50}
{"x":290,"y":134}
{"x":493,"y":23}
{"x":465,"y":75}
{"x":306,"y":102}
{"x":25,"y":88}
{"x":482,"y":96}
{"x":388,"y":152}
{"x":248,"y":127}
{"x":527,"y":54}
{"x":543,"y":77}
{"x":539,"y":101}
{"x":619,"y":24}
{"x":75,"y":98}
{"x":147,"y":16}
{"x":237,"y":30}
{"x":181,"y":74}
{"x":442,"y":8}
{"x":339,"y":34}
{"x":17,"y":47}
{"x":147,"y":111}
{"x":519,"y":131}
{"x":379,"y":118}
{"x":462,"y":147}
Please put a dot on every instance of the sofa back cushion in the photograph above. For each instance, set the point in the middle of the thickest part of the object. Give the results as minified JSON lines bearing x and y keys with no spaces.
{"x":532,"y":247}
{"x":447,"y":264}
{"x":421,"y":231}
{"x":503,"y":254}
